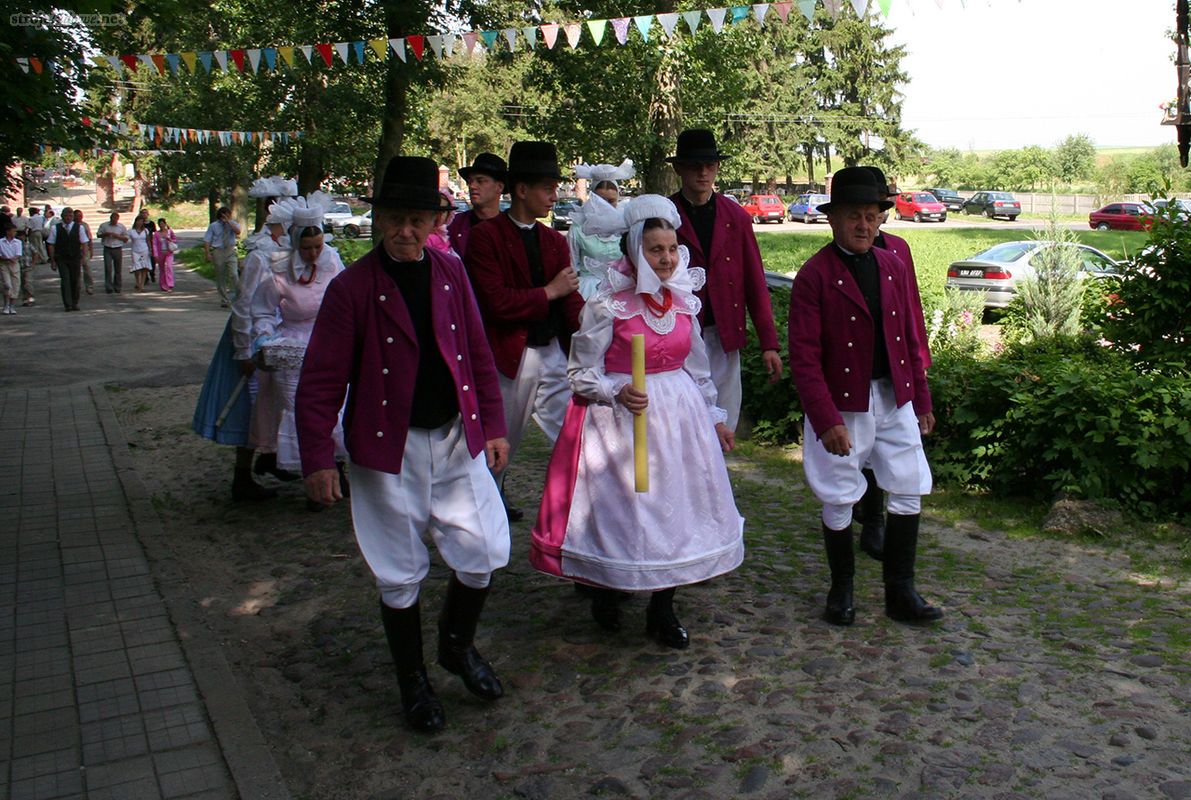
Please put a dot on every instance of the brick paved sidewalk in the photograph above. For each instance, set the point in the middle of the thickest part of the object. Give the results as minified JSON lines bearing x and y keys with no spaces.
{"x":98,"y":696}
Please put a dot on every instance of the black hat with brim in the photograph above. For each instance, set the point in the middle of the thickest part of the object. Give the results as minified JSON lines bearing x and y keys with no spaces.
{"x":882,"y":183}
{"x":697,"y":145}
{"x":855,"y":186}
{"x":410,"y":182}
{"x":488,"y":164}
{"x":531,"y":161}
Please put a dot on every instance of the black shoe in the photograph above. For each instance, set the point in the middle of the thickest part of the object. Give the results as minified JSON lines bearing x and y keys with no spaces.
{"x":870,"y":513}
{"x":267,"y":463}
{"x":662,"y":624}
{"x":456,"y":636}
{"x":422,"y":708}
{"x":513,"y":514}
{"x":245,"y":488}
{"x":842,"y":561}
{"x":605,"y":608}
{"x":902,"y":601}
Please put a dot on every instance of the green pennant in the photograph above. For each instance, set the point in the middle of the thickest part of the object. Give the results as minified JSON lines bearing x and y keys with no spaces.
{"x":597,"y":26}
{"x":885,"y":6}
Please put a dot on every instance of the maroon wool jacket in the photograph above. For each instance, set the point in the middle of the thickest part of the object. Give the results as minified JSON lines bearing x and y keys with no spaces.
{"x":735,"y":275}
{"x":900,"y":248}
{"x":459,"y":231}
{"x":831,"y":338}
{"x":499,"y":270}
{"x":364,"y":339}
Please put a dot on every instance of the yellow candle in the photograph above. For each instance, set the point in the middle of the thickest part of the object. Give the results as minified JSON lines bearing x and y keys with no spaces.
{"x":640,"y":448}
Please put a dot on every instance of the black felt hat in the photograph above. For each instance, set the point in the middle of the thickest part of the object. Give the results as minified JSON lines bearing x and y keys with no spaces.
{"x":698,"y":145}
{"x":882,"y":183}
{"x":856,"y":186}
{"x":487,"y":164}
{"x":533,"y":160}
{"x":410,"y":182}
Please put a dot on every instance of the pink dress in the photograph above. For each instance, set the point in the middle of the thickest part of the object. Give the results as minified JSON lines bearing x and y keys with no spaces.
{"x":592,"y":525}
{"x":165,"y":259}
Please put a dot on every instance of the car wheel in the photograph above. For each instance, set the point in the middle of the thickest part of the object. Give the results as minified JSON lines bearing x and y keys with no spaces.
{"x":1013,"y":218}
{"x":351,"y":231}
{"x":989,"y":213}
{"x":756,"y":220}
{"x":917,"y":217}
{"x":1103,"y":226}
{"x":943,"y":218}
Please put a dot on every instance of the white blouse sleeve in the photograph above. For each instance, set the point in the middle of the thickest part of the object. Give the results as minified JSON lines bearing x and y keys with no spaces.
{"x":585,"y":370}
{"x":699,"y":368}
{"x":256,"y":268}
{"x":264,"y":308}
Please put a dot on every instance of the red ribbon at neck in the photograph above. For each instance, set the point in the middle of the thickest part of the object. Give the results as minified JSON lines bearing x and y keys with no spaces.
{"x":659,"y":310}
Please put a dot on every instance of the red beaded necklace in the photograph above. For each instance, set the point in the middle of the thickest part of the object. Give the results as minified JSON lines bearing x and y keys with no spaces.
{"x":313,"y":272}
{"x":659,"y":310}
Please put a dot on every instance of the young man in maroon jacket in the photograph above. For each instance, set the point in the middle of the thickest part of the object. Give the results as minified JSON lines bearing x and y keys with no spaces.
{"x":424,"y":428}
{"x":856,"y":360}
{"x":528,"y":295}
{"x":719,"y":235}
{"x":486,"y":178}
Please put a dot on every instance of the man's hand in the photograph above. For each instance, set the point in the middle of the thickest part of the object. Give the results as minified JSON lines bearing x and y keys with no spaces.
{"x":836,"y":440}
{"x":632,"y":399}
{"x":563,"y":284}
{"x":322,"y":486}
{"x":726,"y":436}
{"x":773,"y":365}
{"x":497,"y":451}
{"x":926,"y":423}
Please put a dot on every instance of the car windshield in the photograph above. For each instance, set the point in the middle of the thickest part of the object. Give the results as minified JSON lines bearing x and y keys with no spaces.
{"x":339,"y":208}
{"x":1000,"y":196}
{"x":1006,"y":252}
{"x":924,"y":197}
{"x":819,"y":199}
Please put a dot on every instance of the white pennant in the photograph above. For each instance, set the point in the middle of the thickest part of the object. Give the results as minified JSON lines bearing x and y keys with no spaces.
{"x":716,"y":15}
{"x":510,"y":35}
{"x":692,"y":19}
{"x":861,"y":6}
{"x":221,"y":58}
{"x":116,"y":63}
{"x":531,"y":36}
{"x":833,"y":7}
{"x":341,"y":49}
{"x":759,"y":11}
{"x":668,"y":21}
{"x":448,"y":43}
{"x":308,"y":51}
{"x":573,"y":30}
{"x":398,"y":46}
{"x":147,"y":60}
{"x":436,"y":45}
{"x":254,"y":58}
{"x":23,"y":63}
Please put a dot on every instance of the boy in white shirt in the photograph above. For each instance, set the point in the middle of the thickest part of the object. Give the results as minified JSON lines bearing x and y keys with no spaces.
{"x":11,"y":252}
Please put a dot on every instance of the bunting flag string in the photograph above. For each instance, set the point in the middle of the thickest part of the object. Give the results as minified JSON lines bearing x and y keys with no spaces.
{"x":442,"y":46}
{"x":166,"y":134}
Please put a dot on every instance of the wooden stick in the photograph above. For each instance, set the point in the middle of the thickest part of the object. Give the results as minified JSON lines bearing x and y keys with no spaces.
{"x":640,"y":446}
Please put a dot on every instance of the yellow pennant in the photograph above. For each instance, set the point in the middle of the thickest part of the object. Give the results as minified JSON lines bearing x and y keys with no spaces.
{"x":379,"y":46}
{"x":287,"y":55}
{"x":189,"y":59}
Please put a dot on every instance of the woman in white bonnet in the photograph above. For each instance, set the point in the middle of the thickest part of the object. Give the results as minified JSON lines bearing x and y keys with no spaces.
{"x":593,"y":527}
{"x":285,"y":306}
{"x":591,"y":253}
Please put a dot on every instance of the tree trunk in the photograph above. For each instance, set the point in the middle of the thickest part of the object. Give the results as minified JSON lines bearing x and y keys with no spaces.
{"x":809,"y":150}
{"x":665,"y":120}
{"x":310,"y":166}
{"x":827,"y":158}
{"x":392,"y":122}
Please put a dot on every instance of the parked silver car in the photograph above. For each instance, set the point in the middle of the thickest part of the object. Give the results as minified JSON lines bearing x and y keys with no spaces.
{"x":998,"y":270}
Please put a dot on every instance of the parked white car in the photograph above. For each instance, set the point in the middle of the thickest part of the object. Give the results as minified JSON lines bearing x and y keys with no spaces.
{"x":998,"y":270}
{"x":334,"y":218}
{"x":355,"y":227}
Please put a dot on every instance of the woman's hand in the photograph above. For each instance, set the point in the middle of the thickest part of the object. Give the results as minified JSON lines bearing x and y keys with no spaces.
{"x":726,"y":436}
{"x":632,"y":399}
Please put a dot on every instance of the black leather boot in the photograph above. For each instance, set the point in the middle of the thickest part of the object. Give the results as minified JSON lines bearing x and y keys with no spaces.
{"x":267,"y":462}
{"x":842,"y":561}
{"x":605,"y":607}
{"x":403,"y":629}
{"x":513,"y":514}
{"x":245,"y":488}
{"x":870,"y":513}
{"x":902,"y":602}
{"x":457,"y":632}
{"x":661,"y":622}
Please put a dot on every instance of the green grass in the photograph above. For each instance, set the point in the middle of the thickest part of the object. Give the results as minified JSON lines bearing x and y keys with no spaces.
{"x":934,"y":249}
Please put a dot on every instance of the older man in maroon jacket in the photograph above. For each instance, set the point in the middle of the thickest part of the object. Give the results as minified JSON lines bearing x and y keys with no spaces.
{"x":528,"y":295}
{"x":720,"y":238}
{"x":856,"y":360}
{"x":424,"y":425}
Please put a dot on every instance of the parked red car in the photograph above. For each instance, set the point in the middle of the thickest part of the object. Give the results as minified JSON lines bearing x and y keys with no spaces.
{"x":919,"y":206}
{"x":1122,"y":217}
{"x":765,"y":208}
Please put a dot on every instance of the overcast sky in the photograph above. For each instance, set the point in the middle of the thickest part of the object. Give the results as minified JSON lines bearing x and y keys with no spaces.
{"x":1000,"y":74}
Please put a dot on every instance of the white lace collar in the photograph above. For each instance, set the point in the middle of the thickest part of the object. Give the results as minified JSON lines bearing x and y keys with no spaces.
{"x":617,"y":295}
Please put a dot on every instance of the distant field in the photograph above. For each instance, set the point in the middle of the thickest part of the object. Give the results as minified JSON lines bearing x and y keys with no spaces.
{"x":934,"y":250}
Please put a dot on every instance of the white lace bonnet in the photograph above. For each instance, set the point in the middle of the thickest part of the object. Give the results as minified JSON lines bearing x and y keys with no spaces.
{"x":298,"y":213}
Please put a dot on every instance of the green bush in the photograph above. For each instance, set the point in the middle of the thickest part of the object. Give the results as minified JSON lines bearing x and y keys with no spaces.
{"x":1064,"y":416}
{"x":773,"y":408}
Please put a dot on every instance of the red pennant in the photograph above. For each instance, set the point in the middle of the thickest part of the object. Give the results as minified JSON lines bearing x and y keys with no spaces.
{"x":783,"y":10}
{"x":36,"y":64}
{"x":325,"y":51}
{"x":159,"y":62}
{"x":130,"y":62}
{"x":87,"y":122}
{"x":417,"y":44}
{"x":238,"y":57}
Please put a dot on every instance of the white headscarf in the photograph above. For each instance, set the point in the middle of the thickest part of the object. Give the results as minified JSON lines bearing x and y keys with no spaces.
{"x":604,"y":219}
{"x":298,"y":213}
{"x":598,"y":173}
{"x":275,"y":186}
